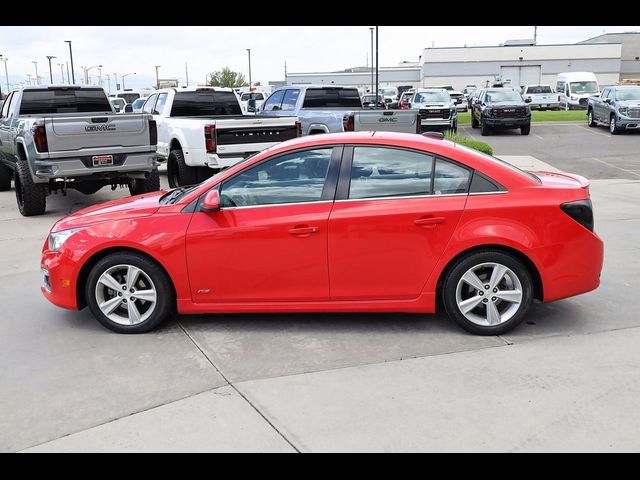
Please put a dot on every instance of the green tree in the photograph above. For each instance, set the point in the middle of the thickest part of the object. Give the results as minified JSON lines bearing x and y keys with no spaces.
{"x":227,"y":78}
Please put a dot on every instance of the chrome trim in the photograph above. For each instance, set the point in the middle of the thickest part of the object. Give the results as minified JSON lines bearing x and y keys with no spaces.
{"x":401,"y":197}
{"x":490,"y":193}
{"x":276,"y":205}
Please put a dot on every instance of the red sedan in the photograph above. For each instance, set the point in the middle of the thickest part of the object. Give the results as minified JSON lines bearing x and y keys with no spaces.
{"x":348,"y":222}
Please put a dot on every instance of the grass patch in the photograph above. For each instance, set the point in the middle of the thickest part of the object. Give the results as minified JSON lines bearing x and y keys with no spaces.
{"x":469,"y":142}
{"x":464,"y":118}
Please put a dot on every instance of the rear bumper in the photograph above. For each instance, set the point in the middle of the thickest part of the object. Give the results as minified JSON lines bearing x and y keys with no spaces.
{"x":44,"y":170}
{"x":507,"y":122}
{"x":538,"y":105}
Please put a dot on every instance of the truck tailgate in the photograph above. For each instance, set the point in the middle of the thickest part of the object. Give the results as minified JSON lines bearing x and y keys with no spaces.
{"x":387,"y":121}
{"x":97,"y":132}
{"x":242,"y":135}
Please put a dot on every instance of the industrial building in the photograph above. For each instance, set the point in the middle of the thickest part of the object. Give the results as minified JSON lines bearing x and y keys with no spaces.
{"x":630,"y":60}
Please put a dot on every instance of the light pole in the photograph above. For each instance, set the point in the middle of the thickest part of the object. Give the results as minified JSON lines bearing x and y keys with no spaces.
{"x":61,"y":65}
{"x":50,"y":57}
{"x":157,"y":80}
{"x":6,"y":73}
{"x":73,"y":74}
{"x":125,"y":75}
{"x":86,"y":73}
{"x":29,"y":77}
{"x":100,"y":76}
{"x":37,"y":77}
{"x":109,"y":82}
{"x":115,"y":76}
{"x":371,"y":30}
{"x":377,"y":70}
{"x":68,"y":76}
{"x":249,"y":52}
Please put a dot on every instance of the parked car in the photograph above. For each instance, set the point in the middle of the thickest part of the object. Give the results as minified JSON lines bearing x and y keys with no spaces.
{"x":468,"y":90}
{"x":118,"y":104}
{"x":60,"y":137}
{"x":201,"y":130}
{"x":500,"y":108}
{"x":617,"y":108}
{"x":460,"y":101}
{"x":250,"y":100}
{"x":575,"y":88}
{"x":437,"y":109}
{"x":405,"y":99}
{"x":369,"y":101}
{"x":320,"y":108}
{"x":472,"y":97}
{"x":137,"y":105}
{"x":350,"y":222}
{"x":541,"y":97}
{"x":390,"y":95}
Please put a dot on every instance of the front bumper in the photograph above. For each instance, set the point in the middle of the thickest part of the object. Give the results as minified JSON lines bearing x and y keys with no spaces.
{"x":627,"y":122}
{"x":516,"y":122}
{"x":59,"y":279}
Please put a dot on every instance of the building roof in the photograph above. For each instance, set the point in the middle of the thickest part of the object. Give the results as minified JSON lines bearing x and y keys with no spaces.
{"x":609,"y":34}
{"x":521,"y":42}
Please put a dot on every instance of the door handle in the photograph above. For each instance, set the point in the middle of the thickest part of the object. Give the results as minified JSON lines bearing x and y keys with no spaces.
{"x":429,"y":221}
{"x":303,"y":230}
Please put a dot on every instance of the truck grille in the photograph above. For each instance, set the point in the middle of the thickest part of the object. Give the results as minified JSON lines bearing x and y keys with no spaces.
{"x":234,"y":136}
{"x":434,"y":113}
{"x":509,"y":112}
{"x":634,"y":112}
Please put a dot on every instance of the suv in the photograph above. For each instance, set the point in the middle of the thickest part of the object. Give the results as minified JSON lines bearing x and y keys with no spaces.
{"x":617,"y":108}
{"x":437,"y":109}
{"x":500,"y":108}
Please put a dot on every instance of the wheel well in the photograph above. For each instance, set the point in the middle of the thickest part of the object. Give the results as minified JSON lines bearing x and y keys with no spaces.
{"x":316,"y":131}
{"x":175,"y":145}
{"x":22,"y":155}
{"x":538,"y":292}
{"x":83,"y":276}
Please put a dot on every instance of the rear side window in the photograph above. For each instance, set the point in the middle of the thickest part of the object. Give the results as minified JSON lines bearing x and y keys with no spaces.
{"x":332,"y":98}
{"x":205,"y":103}
{"x":483,"y":184}
{"x":450,"y":178}
{"x":45,"y":101}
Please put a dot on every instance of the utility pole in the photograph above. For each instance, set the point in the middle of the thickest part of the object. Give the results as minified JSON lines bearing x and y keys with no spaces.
{"x":50,"y":57}
{"x":109,"y":83}
{"x":285,"y":72}
{"x":73,"y":74}
{"x":37,"y":77}
{"x":377,"y":70}
{"x":186,"y":71}
{"x":29,"y":78}
{"x":371,"y":30}
{"x":100,"y":76}
{"x":535,"y":35}
{"x":157,"y":80}
{"x":61,"y":65}
{"x":249,"y":52}
{"x":68,"y":76}
{"x":115,"y":76}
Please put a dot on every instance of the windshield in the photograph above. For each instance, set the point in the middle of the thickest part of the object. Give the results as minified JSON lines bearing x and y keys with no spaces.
{"x":432,"y":97}
{"x":584,"y":87}
{"x":628,"y":94}
{"x":64,"y":100}
{"x":388,"y":91}
{"x":506,"y":95}
{"x":205,"y":103}
{"x":129,"y":97}
{"x":251,"y":96}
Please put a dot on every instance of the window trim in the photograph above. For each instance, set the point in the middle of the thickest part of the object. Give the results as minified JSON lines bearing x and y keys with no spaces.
{"x":155,"y":99}
{"x":7,"y":104}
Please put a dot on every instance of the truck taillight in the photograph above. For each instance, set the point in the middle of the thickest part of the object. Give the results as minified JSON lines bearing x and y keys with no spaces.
{"x":153,"y":132}
{"x":40,"y":137}
{"x":298,"y":128}
{"x":348,"y":123}
{"x":210,"y":138}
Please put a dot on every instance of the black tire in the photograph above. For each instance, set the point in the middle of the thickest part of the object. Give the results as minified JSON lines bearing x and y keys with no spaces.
{"x":178,"y":172}
{"x":138,"y":186}
{"x":484,"y":128}
{"x":591,"y":121}
{"x":454,"y":129}
{"x":525,"y":129}
{"x":461,"y":266}
{"x":31,"y":197}
{"x":89,"y":188}
{"x":613,"y":125}
{"x":474,"y":121}
{"x":5,"y":178}
{"x":165,"y":298}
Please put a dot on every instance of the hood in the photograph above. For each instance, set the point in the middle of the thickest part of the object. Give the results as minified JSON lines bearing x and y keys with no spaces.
{"x":123,"y":209}
{"x":628,"y":103}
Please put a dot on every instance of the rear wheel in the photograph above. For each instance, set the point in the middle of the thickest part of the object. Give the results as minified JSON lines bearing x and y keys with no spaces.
{"x":5,"y":178}
{"x":590,"y":120}
{"x":613,"y":125}
{"x":487,"y":292}
{"x":525,"y":129}
{"x":31,"y":197}
{"x":138,"y":186}
{"x":484,"y":128}
{"x":179,"y":173}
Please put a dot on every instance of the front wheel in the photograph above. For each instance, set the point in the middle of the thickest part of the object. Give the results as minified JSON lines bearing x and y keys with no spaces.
{"x":590,"y":120}
{"x":487,"y":292}
{"x":474,"y":121}
{"x":484,"y":128}
{"x":525,"y":129}
{"x":129,"y":293}
{"x":613,"y":125}
{"x":139,"y":186}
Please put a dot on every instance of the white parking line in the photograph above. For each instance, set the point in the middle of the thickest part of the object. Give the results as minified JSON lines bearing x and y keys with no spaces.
{"x":619,"y":168}
{"x":538,"y":136}
{"x":592,"y":130}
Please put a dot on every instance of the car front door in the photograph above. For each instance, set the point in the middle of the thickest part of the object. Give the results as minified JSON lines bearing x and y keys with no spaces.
{"x":395,"y":212}
{"x":6,"y":137}
{"x":268,"y":243}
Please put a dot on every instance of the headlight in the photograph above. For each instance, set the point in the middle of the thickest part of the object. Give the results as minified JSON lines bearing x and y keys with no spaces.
{"x":56,"y":240}
{"x":488,"y":111}
{"x":624,"y":110}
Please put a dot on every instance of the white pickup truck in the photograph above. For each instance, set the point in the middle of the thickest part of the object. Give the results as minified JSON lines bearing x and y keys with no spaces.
{"x":202,"y":130}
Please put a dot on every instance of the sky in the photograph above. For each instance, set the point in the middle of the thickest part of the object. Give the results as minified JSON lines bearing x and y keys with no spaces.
{"x":127,"y":50}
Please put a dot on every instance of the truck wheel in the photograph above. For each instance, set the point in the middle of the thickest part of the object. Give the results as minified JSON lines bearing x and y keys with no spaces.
{"x":89,"y":188}
{"x":613,"y":125}
{"x":590,"y":120}
{"x":474,"y":121}
{"x":525,"y":129}
{"x":138,"y":186}
{"x":454,"y":128}
{"x":484,"y":128}
{"x":5,"y":178}
{"x":31,"y":197}
{"x":179,"y":173}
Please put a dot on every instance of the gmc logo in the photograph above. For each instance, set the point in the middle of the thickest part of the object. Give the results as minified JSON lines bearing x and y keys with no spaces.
{"x":387,"y":119}
{"x":100,"y":128}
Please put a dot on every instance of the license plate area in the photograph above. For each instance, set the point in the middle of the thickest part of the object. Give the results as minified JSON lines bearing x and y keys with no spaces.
{"x":102,"y":160}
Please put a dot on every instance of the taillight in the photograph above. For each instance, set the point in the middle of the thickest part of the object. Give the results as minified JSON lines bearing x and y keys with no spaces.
{"x":348,"y":123}
{"x":40,"y":137}
{"x":153,"y":132}
{"x":298,"y":128}
{"x":210,"y":138}
{"x":558,"y":98}
{"x":581,"y":211}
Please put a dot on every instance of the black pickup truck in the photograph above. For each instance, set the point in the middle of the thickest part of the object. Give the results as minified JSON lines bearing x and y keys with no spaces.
{"x":500,"y":108}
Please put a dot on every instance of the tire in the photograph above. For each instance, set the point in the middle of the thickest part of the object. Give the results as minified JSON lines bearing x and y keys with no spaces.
{"x":590,"y":119}
{"x":613,"y":125}
{"x":151,"y":278}
{"x":89,"y":188}
{"x":179,"y":173}
{"x":5,"y":178}
{"x":508,"y":314}
{"x":525,"y":129}
{"x":474,"y":121}
{"x":454,"y":129}
{"x":152,"y":184}
{"x":31,"y":197}
{"x":484,"y":128}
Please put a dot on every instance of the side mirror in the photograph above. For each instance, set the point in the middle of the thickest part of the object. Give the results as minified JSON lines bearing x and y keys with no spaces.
{"x":527,"y":100}
{"x":211,"y":202}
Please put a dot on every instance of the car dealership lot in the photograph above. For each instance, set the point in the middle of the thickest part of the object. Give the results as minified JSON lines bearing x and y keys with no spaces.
{"x":564,"y":380}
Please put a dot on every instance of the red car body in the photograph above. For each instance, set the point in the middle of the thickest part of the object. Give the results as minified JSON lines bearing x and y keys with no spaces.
{"x":384,"y":255}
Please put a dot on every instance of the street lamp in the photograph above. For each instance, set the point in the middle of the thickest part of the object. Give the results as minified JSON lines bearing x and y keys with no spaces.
{"x":109,"y":82}
{"x":249,"y":52}
{"x":86,"y":73}
{"x":157,"y":81}
{"x":37,"y":77}
{"x":123,"y":77}
{"x":50,"y":57}
{"x":6,"y":73}
{"x":61,"y":65}
{"x":73,"y":74}
{"x":371,"y":30}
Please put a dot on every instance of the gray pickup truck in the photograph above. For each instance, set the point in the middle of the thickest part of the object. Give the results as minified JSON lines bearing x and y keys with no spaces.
{"x":59,"y":137}
{"x":618,"y":108}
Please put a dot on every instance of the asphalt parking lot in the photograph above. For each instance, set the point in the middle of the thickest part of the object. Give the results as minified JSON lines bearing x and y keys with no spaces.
{"x":566,"y":380}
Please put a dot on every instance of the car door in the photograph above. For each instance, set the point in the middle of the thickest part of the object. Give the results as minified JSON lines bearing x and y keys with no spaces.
{"x":391,"y":221}
{"x":6,"y":137}
{"x":268,"y":243}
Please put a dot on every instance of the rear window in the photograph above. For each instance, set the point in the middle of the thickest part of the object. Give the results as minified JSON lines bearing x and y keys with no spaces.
{"x":38,"y":102}
{"x":539,"y":89}
{"x":332,"y":98}
{"x":205,"y":103}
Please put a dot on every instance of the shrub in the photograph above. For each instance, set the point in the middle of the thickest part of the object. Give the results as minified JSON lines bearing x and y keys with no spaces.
{"x":470,"y":142}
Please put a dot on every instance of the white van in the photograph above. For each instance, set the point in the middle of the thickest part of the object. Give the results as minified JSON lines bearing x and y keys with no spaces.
{"x":574,"y":88}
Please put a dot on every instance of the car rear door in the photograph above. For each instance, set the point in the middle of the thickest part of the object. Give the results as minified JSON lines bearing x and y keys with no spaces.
{"x":395,"y":212}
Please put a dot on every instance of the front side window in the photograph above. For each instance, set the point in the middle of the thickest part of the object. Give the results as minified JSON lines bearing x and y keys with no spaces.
{"x":274,"y":102}
{"x":388,"y":172}
{"x":162,"y":100}
{"x":148,"y":106}
{"x":292,"y":178}
{"x":290,"y":99}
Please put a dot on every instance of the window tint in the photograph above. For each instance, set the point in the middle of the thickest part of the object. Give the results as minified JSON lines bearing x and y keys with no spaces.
{"x":274,"y":101}
{"x":205,"y":103}
{"x":151,"y":101}
{"x":67,"y":100}
{"x":389,"y":172}
{"x":290,"y":99}
{"x":162,"y":99}
{"x":293,"y":178}
{"x":450,"y":178}
{"x":482,"y":184}
{"x":332,"y":97}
